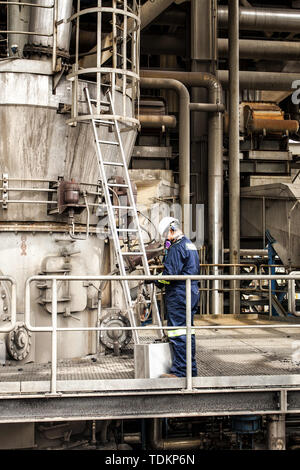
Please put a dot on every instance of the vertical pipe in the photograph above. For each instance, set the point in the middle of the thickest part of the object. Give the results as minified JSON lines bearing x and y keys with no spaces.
{"x":234,"y":164}
{"x":202,"y":60}
{"x":54,"y":337}
{"x":215,"y":159}
{"x":276,"y":432}
{"x":215,"y":202}
{"x":114,"y":51}
{"x":188,"y":285}
{"x":75,"y":68}
{"x":184,"y":161}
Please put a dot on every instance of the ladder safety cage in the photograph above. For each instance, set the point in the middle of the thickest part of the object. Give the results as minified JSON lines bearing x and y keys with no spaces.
{"x":116,"y":231}
{"x":113,"y":62}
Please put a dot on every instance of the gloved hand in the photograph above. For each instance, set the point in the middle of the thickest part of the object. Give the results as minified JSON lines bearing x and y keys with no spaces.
{"x":149,"y":281}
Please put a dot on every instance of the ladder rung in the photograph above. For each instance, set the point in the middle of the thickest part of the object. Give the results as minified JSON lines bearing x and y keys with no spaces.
{"x":116,"y":185}
{"x":108,"y":142}
{"x":113,"y":163}
{"x":122,"y":207}
{"x":102,"y":121}
{"x":127,"y":230}
{"x":103,"y":103}
{"x":130,"y":253}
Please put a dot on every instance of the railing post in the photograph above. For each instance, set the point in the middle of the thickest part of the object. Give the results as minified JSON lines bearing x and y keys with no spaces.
{"x":54,"y":337}
{"x":188,"y":335}
{"x":270,"y":294}
{"x":55,"y":19}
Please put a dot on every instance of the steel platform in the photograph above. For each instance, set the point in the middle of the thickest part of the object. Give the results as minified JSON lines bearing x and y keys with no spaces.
{"x":240,"y":371}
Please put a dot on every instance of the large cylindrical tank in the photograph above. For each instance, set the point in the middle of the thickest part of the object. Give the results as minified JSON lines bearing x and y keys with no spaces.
{"x":37,"y":148}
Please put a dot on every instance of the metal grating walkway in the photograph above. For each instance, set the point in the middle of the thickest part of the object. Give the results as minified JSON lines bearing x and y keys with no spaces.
{"x":220,"y":353}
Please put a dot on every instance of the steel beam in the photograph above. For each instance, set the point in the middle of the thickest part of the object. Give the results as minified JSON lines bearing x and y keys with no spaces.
{"x":135,"y":406}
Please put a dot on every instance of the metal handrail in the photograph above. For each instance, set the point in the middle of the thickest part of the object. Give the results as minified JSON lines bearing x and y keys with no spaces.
{"x":24,"y":4}
{"x":188,"y":279}
{"x":13,"y":319}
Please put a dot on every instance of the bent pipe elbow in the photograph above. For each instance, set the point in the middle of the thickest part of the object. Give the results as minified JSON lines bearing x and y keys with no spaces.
{"x":194,"y":79}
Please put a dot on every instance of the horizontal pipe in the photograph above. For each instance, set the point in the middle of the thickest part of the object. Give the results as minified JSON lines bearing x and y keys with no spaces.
{"x":151,"y":121}
{"x":194,"y":79}
{"x":250,"y":252}
{"x":263,"y":49}
{"x":273,"y":81}
{"x":249,"y":48}
{"x":263,"y":19}
{"x":207,"y":107}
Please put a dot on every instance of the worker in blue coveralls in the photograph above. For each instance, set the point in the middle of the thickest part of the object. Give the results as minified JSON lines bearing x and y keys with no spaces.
{"x":181,"y":259}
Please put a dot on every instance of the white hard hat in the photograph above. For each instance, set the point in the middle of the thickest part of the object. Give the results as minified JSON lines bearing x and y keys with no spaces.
{"x":165,"y":224}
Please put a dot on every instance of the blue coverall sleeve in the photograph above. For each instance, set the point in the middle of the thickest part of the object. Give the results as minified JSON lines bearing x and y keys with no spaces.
{"x":174,"y":262}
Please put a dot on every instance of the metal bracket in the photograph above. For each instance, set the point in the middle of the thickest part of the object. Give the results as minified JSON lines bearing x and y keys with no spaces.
{"x":292,"y":295}
{"x":5,"y":190}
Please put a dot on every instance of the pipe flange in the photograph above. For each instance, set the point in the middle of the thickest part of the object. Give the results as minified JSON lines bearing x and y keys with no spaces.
{"x":18,"y":342}
{"x":110,"y":338}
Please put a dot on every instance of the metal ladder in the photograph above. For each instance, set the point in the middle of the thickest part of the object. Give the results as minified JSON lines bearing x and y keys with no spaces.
{"x":121,"y":163}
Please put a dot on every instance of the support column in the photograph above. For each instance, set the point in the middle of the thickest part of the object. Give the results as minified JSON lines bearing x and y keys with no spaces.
{"x":276,"y":432}
{"x":203,"y":59}
{"x":234,"y":148}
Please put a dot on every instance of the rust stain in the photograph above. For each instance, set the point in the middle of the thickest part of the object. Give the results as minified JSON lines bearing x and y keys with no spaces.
{"x":23,"y":245}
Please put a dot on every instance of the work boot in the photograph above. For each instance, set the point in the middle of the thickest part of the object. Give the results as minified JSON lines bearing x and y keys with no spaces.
{"x":168,"y":376}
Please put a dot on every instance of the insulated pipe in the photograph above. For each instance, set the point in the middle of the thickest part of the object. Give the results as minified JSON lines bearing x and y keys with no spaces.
{"x":273,"y":81}
{"x":234,"y":150}
{"x":168,"y":444}
{"x":249,"y":48}
{"x":154,"y":121}
{"x":263,"y":19}
{"x":215,"y":161}
{"x":184,"y":140}
{"x":263,"y":49}
{"x":207,"y":107}
{"x":276,"y":432}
